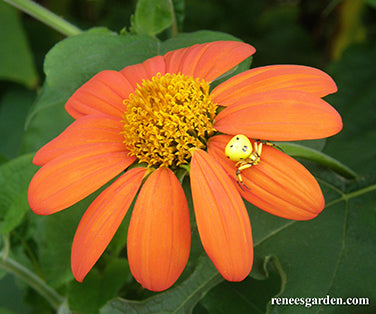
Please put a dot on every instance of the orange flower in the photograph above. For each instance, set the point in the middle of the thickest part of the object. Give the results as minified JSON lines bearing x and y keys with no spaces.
{"x":161,"y":113}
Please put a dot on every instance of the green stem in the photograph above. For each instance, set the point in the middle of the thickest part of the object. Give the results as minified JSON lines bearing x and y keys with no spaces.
{"x":45,"y":16}
{"x":30,"y":278}
{"x":347,"y":197}
{"x":174,"y":25}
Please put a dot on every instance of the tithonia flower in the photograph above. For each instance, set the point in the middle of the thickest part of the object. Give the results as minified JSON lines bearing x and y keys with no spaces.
{"x":161,"y":117}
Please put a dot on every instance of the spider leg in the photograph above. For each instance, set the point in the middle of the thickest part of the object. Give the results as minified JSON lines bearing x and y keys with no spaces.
{"x":258,"y":149}
{"x":265,"y":142}
{"x":239,"y":179}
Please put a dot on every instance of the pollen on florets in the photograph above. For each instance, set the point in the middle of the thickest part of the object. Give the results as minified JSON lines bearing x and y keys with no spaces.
{"x":166,"y":117}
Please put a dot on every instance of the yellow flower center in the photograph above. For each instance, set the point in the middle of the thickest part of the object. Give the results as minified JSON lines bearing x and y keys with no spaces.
{"x":167,"y":116}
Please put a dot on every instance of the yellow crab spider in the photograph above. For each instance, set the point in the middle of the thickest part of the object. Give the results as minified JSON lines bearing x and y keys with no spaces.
{"x":240,"y":150}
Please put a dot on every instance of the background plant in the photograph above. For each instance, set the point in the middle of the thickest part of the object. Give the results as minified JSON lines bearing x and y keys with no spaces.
{"x":43,"y":62}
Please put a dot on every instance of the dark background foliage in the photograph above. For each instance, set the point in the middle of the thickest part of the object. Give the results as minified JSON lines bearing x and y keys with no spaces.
{"x":333,"y":254}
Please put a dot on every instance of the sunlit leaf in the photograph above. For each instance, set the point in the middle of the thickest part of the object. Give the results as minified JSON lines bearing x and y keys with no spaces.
{"x":152,"y":16}
{"x":15,"y":176}
{"x":351,"y":29}
{"x":71,"y":63}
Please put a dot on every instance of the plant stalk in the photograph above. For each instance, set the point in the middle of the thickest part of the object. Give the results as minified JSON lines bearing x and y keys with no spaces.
{"x":45,"y":16}
{"x":29,"y":277}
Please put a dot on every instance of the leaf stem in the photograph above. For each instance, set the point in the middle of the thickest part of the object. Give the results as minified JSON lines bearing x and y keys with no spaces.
{"x":300,"y":151}
{"x":174,"y":24}
{"x":29,"y":277}
{"x":347,"y":197}
{"x":45,"y":16}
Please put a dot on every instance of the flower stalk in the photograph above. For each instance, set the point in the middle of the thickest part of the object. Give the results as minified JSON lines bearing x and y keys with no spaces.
{"x":174,"y":24}
{"x":45,"y":16}
{"x":29,"y":277}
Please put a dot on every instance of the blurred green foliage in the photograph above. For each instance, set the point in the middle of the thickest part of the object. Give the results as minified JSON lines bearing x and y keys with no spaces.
{"x":333,"y":254}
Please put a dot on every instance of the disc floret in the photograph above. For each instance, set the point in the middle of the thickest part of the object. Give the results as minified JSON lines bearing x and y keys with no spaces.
{"x":166,"y":117}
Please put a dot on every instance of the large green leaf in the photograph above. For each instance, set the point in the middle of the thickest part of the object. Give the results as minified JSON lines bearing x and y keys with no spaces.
{"x":54,"y":236}
{"x":333,"y":254}
{"x":179,"y":299}
{"x":71,"y":63}
{"x":97,"y":288}
{"x":16,"y":60}
{"x":15,"y":176}
{"x":248,"y":296}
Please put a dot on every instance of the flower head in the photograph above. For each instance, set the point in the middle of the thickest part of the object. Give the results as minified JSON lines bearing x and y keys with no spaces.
{"x":161,"y":113}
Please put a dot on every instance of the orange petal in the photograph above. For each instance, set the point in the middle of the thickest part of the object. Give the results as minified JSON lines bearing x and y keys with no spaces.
{"x":159,"y":235}
{"x":273,"y":78}
{"x":144,"y":71}
{"x":221,"y":217}
{"x":71,"y":177}
{"x":208,"y":61}
{"x":103,"y":93}
{"x":101,"y":220}
{"x":278,"y":184}
{"x":280,"y":116}
{"x":88,"y":130}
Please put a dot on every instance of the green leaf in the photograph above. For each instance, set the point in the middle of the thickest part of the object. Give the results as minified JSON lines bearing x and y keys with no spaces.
{"x":16,"y":60}
{"x":54,"y":237}
{"x":15,"y":176}
{"x":179,"y":299}
{"x":71,"y":63}
{"x":152,"y":16}
{"x":98,"y":288}
{"x":300,"y":151}
{"x":332,"y":254}
{"x":248,"y":296}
